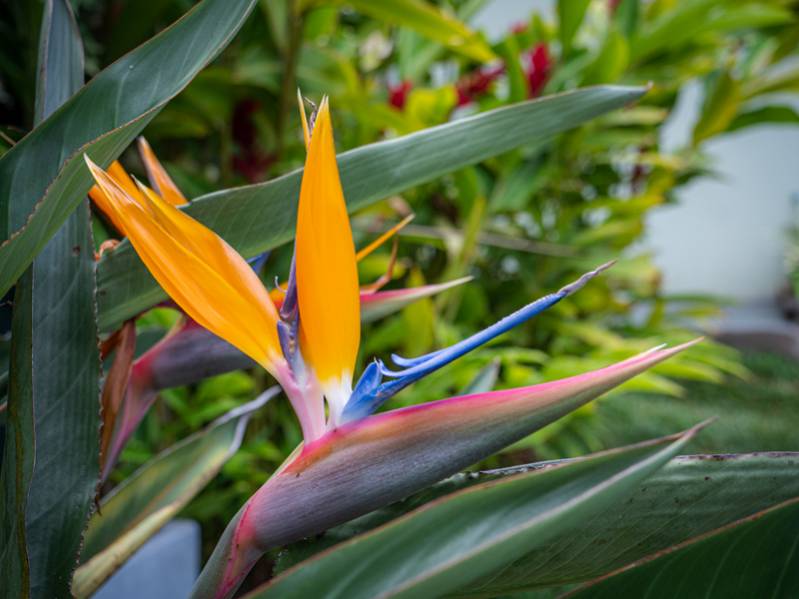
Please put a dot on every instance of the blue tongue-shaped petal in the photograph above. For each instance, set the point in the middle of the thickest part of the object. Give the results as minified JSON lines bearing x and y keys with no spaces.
{"x":257,"y":262}
{"x":371,"y":392}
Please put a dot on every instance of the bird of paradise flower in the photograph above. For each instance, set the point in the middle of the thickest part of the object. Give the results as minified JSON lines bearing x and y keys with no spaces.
{"x":352,"y":460}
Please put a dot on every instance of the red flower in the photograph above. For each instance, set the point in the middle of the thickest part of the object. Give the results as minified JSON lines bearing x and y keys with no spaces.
{"x":538,"y":69}
{"x":476,"y":83}
{"x":398,"y":94}
{"x":250,"y":161}
{"x":519,"y":27}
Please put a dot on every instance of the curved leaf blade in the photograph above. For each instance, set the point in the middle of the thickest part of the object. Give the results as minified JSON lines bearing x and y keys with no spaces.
{"x":54,"y":383}
{"x":259,"y":217}
{"x":688,"y":497}
{"x":754,"y":557}
{"x":141,"y":505}
{"x":429,"y":21}
{"x":43,"y":178}
{"x":475,"y":531}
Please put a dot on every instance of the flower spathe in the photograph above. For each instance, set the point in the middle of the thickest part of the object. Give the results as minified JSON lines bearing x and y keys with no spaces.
{"x":202,"y":273}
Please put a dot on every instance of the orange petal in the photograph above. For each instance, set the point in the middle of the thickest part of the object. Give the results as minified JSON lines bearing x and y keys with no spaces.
{"x":364,"y":252}
{"x":159,"y":178}
{"x":306,"y":134}
{"x":203,"y":274}
{"x":327,"y":274}
{"x":118,"y":174}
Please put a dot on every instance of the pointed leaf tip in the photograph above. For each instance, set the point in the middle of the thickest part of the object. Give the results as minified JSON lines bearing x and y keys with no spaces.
{"x":581,"y":282}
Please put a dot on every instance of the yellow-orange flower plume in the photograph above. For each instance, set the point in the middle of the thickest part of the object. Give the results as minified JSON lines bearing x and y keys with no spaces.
{"x":159,"y":178}
{"x":327,"y":274}
{"x":212,"y":283}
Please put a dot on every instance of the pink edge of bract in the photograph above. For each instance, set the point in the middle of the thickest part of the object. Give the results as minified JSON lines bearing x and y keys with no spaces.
{"x":461,"y":403}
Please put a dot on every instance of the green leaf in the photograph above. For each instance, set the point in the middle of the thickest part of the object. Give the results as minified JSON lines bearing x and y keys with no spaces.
{"x":476,"y":531}
{"x":690,"y":496}
{"x":60,"y":69}
{"x":611,"y":61}
{"x":777,"y":115}
{"x":517,"y":82}
{"x":427,"y":20}
{"x":484,"y":380}
{"x":672,"y":28}
{"x":722,"y":99}
{"x":754,"y":557}
{"x":415,"y":54}
{"x":43,"y":177}
{"x":51,"y":464}
{"x":679,"y":26}
{"x":144,"y":502}
{"x":570,"y":16}
{"x":260,"y":217}
{"x":627,"y":16}
{"x":782,"y":79}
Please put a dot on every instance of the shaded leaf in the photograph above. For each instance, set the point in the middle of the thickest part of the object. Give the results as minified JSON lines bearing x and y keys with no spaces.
{"x":722,"y":98}
{"x":50,"y":462}
{"x":144,"y":502}
{"x":476,"y":531}
{"x":570,"y":16}
{"x":777,"y":115}
{"x":427,"y":20}
{"x":754,"y":557}
{"x":485,"y":379}
{"x":44,"y":173}
{"x":690,"y":496}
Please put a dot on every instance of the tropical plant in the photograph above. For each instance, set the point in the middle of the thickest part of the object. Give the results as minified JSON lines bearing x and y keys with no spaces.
{"x":377,"y":482}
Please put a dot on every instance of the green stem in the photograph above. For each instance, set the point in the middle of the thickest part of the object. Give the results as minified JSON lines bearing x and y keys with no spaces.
{"x":294,"y":24}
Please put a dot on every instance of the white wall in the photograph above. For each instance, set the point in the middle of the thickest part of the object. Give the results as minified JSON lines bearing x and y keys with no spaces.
{"x":727,"y":235}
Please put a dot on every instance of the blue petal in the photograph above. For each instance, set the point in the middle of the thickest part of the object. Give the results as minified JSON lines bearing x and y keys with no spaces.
{"x":370,"y":393}
{"x":400,"y":361}
{"x":257,"y":262}
{"x":289,"y":309}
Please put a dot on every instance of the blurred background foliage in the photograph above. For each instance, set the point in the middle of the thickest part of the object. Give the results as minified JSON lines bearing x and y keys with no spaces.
{"x":522,"y":225}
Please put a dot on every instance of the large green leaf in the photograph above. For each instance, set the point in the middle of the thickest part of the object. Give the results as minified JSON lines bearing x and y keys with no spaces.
{"x":51,"y":464}
{"x":765,"y":115}
{"x":426,"y":19}
{"x":690,"y":496}
{"x":689,"y":19}
{"x":755,"y":557}
{"x":570,"y":16}
{"x":43,"y":177}
{"x":143,"y":503}
{"x":259,"y":217}
{"x":451,"y":541}
{"x":722,"y":99}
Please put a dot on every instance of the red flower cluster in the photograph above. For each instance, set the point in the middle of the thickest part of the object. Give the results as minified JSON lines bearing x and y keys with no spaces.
{"x":476,"y":83}
{"x":249,"y":161}
{"x":398,"y":94}
{"x":538,"y":69}
{"x":537,"y":64}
